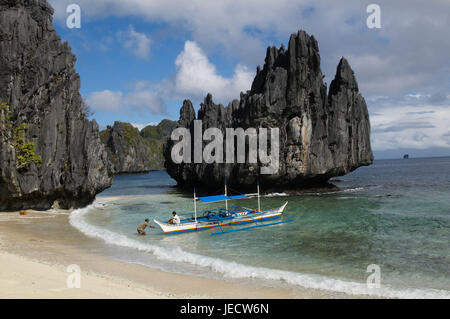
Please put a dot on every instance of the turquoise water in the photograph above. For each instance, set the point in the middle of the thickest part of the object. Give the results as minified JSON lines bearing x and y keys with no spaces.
{"x":395,"y":214}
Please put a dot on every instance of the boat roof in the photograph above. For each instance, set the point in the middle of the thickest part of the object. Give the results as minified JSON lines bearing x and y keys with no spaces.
{"x":221,"y":198}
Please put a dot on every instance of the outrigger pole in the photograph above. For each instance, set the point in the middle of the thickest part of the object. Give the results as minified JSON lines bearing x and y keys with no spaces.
{"x":250,"y":227}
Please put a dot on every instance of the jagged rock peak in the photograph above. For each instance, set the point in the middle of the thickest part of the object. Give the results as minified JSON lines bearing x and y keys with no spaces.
{"x":187,"y":113}
{"x":344,"y":76}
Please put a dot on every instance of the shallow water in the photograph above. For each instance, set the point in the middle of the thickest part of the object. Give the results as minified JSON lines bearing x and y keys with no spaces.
{"x":395,"y":214}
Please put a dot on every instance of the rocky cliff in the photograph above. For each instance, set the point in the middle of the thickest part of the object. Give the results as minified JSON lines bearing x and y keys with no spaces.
{"x":132,"y":151}
{"x":49,"y":150}
{"x":322,"y":134}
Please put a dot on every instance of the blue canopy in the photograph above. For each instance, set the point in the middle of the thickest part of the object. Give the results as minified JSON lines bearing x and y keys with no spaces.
{"x":221,"y":198}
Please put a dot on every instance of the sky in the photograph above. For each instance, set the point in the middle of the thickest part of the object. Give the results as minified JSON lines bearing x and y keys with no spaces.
{"x":139,"y":59}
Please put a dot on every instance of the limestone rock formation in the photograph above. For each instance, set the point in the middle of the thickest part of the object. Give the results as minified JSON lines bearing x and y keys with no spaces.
{"x":156,"y":136}
{"x":322,"y":135}
{"x":49,"y":150}
{"x":131,"y":151}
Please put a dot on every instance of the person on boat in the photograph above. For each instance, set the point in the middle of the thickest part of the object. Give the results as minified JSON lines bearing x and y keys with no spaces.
{"x":141,"y":228}
{"x":175,"y":219}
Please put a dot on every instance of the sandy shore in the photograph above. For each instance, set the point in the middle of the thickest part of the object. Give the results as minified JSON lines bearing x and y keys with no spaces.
{"x":36,"y":251}
{"x":25,"y":278}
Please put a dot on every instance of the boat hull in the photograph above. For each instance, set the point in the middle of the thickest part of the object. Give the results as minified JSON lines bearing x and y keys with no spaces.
{"x":236,"y":218}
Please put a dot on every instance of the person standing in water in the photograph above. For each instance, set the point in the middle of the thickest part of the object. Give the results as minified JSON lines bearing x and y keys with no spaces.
{"x":141,"y":228}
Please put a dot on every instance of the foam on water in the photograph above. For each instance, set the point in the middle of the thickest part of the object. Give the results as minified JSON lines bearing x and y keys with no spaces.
{"x":276,"y":195}
{"x":234,"y":270}
{"x":353,"y":190}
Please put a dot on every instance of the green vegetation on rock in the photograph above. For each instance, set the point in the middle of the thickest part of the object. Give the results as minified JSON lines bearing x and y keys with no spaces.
{"x":25,"y":151}
{"x":132,"y":151}
{"x":131,"y":133}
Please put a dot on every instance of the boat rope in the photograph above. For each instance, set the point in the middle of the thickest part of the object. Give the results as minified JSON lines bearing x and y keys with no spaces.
{"x":218,"y":191}
{"x":229,"y":188}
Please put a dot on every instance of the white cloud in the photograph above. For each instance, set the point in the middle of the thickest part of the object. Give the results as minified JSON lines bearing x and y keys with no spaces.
{"x":411,"y":127}
{"x":146,"y":99}
{"x":408,"y":53}
{"x":137,"y":43}
{"x":142,"y":98}
{"x":218,"y":22}
{"x":105,"y":101}
{"x":417,"y":96}
{"x":196,"y":76}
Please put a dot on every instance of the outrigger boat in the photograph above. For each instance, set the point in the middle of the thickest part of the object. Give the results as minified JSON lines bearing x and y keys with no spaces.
{"x":228,"y":216}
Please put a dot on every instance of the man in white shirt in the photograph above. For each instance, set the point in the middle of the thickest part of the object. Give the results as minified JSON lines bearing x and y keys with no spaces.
{"x":175,"y":219}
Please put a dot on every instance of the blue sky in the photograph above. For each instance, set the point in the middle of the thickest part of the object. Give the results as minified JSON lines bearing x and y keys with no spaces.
{"x":139,"y":59}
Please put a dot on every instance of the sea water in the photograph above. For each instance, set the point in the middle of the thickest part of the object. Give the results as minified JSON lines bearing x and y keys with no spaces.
{"x":394,"y":214}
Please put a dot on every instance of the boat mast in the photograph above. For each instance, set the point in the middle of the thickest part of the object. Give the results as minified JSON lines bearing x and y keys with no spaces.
{"x":195,"y":205}
{"x":259,"y":199}
{"x":226,"y":202}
